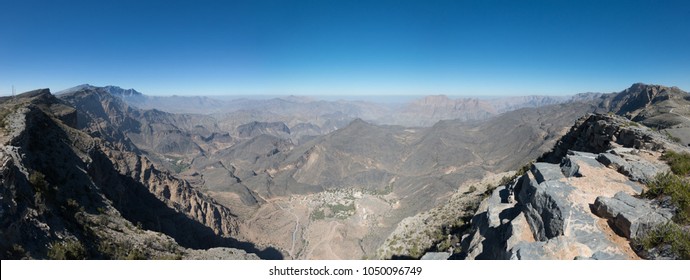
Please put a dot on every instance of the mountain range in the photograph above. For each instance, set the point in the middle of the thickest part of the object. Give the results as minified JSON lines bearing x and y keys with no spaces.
{"x":191,"y":177}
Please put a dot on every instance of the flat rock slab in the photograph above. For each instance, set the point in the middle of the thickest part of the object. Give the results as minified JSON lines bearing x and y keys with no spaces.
{"x":546,"y":172}
{"x":570,"y":165}
{"x":631,"y":217}
{"x":631,"y":165}
{"x":436,"y":256}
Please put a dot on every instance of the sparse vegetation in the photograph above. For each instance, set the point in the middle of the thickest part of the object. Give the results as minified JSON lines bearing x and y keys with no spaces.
{"x":318,"y":214}
{"x":505,"y":180}
{"x":73,"y":204}
{"x":415,"y":252}
{"x":672,"y":138}
{"x":176,"y":256}
{"x":386,"y":190}
{"x":679,"y":162}
{"x":342,"y":211}
{"x":67,"y":250}
{"x":178,"y":166}
{"x":518,"y":173}
{"x":3,"y":117}
{"x":38,"y":181}
{"x":676,"y":187}
{"x":630,"y":123}
{"x":471,"y":189}
{"x":669,"y":234}
{"x":523,"y":169}
{"x":120,"y":251}
{"x":489,"y":189}
{"x":16,"y":251}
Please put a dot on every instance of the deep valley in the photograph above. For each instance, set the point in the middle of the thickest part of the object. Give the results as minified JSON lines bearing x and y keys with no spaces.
{"x":108,"y":173}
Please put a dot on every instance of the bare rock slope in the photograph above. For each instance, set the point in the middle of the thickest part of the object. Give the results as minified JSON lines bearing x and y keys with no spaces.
{"x":85,"y":193}
{"x":579,"y":201}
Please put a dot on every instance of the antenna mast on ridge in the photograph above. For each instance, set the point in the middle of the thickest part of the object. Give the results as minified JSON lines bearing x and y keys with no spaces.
{"x":12,"y":90}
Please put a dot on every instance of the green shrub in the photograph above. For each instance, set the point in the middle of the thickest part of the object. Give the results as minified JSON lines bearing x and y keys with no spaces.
{"x":471,"y":190}
{"x":630,"y":123}
{"x":124,"y":250}
{"x":135,"y":254}
{"x":670,"y":234}
{"x":38,"y":181}
{"x":318,"y":215}
{"x":3,"y":117}
{"x":677,"y":188}
{"x":679,"y":162}
{"x":672,"y":138}
{"x":489,"y":190}
{"x":415,"y":252}
{"x":73,"y":204}
{"x":67,"y":250}
{"x":523,"y":169}
{"x":341,"y":211}
{"x":505,"y":180}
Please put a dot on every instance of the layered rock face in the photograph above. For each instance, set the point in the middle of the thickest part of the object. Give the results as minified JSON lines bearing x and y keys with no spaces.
{"x":578,"y":204}
{"x":66,"y":193}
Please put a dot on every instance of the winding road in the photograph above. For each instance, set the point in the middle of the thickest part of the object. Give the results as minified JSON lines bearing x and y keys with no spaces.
{"x":294,"y":233}
{"x":682,"y":116}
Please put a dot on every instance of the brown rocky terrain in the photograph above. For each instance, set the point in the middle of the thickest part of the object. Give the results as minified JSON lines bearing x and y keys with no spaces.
{"x":275,"y":182}
{"x":659,"y":107}
{"x":69,"y":194}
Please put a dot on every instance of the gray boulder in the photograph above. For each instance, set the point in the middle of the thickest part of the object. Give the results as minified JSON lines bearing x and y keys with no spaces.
{"x":546,"y":172}
{"x":546,"y":209}
{"x":635,"y":169}
{"x":436,"y":256}
{"x":631,"y":217}
{"x":570,"y":168}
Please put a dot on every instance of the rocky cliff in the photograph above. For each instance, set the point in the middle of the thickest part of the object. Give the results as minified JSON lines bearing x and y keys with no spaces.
{"x":580,"y":201}
{"x":68,"y":194}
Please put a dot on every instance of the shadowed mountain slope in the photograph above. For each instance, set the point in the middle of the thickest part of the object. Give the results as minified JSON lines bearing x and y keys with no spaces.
{"x":67,"y":192}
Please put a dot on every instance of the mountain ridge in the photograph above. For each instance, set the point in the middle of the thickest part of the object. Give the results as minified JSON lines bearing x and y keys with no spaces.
{"x":275,"y":187}
{"x":99,"y":181}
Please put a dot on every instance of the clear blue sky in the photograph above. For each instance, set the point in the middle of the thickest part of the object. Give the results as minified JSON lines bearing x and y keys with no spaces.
{"x":345,"y":47}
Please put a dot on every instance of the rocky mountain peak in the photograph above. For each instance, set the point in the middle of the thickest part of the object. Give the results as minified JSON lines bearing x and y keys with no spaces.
{"x":39,"y":93}
{"x":641,"y":101}
{"x":118,"y":91}
{"x":111,"y":90}
{"x":650,"y":91}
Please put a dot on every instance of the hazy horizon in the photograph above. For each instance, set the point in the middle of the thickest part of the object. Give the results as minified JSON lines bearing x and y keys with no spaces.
{"x":380,"y":98}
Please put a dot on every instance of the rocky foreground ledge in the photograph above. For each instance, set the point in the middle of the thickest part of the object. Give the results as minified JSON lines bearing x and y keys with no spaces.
{"x":581,"y":201}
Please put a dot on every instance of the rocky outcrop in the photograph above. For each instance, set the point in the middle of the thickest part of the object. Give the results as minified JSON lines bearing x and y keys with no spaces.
{"x":219,"y":254}
{"x":580,"y":205}
{"x":62,"y":186}
{"x":598,"y":133}
{"x":632,"y":165}
{"x":633,"y":101}
{"x":629,"y":216}
{"x":174,"y":193}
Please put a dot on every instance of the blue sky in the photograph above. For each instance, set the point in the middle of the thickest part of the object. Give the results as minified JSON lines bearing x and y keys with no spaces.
{"x":346,"y":47}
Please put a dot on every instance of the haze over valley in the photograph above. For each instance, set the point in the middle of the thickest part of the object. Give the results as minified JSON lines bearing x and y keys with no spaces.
{"x":294,"y":177}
